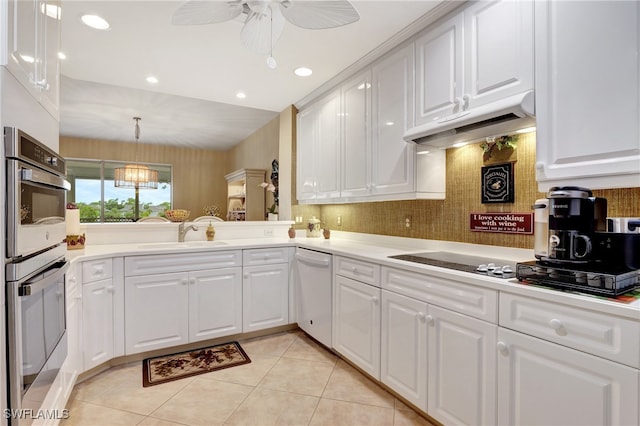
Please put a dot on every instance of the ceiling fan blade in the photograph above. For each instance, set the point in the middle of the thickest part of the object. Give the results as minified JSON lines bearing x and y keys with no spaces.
{"x":317,"y":15}
{"x":258,"y":35}
{"x":206,"y":12}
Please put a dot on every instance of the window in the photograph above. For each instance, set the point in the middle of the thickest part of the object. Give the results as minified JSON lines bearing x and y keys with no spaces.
{"x":99,"y":200}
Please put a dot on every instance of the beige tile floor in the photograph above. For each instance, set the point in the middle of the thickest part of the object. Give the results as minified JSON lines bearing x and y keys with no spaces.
{"x":291,"y":380}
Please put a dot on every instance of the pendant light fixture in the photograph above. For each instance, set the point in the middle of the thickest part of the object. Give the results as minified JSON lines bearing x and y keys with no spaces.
{"x":136,"y":175}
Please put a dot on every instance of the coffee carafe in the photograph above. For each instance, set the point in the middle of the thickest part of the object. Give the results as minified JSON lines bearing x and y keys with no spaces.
{"x":575,"y":215}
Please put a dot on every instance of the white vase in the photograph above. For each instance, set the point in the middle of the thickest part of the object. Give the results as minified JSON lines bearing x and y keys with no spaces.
{"x":272,"y":216}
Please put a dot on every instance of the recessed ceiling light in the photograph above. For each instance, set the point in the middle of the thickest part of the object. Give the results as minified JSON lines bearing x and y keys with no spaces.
{"x":303,"y":72}
{"x":241,"y":95}
{"x":389,"y":123}
{"x":62,"y":56}
{"x":95,"y":21}
{"x":151,"y":79}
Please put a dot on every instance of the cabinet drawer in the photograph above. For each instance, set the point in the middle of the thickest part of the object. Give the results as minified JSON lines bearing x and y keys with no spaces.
{"x":164,"y":263}
{"x":478,"y":302}
{"x":265,"y":256}
{"x":95,"y":270}
{"x":608,"y":336}
{"x":358,"y":270}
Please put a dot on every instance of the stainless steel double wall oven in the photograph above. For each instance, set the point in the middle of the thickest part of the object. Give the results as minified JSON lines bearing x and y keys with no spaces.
{"x":35,"y":267}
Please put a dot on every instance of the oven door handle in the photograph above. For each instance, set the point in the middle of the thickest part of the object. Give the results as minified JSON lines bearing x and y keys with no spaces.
{"x":49,"y":276}
{"x":43,"y":178}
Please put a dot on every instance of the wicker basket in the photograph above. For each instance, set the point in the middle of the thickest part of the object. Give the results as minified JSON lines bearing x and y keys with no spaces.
{"x":177,"y":215}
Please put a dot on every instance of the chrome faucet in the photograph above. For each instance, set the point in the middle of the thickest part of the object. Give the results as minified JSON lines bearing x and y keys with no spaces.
{"x":182,"y":231}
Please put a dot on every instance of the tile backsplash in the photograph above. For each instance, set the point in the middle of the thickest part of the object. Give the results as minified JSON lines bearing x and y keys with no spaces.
{"x":449,"y":219}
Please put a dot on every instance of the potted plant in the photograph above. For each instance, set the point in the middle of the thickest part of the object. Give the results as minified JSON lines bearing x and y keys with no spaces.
{"x":492,"y":146}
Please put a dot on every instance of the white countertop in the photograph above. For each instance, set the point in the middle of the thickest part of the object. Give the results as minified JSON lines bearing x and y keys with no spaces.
{"x":378,"y":249}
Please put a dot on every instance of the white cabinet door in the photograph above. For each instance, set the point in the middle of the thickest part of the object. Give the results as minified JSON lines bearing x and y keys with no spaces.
{"x":33,"y":45}
{"x":265,"y":296}
{"x":498,"y":50}
{"x":318,"y":150}
{"x":49,"y":72}
{"x":22,"y":22}
{"x":587,"y":94}
{"x":403,"y":355}
{"x":542,"y":383}
{"x":393,"y":160}
{"x":74,"y":320}
{"x":356,"y":142}
{"x":215,"y":303}
{"x":156,"y":311}
{"x":356,"y":323}
{"x":462,"y":368}
{"x":305,"y":154}
{"x":327,"y":149}
{"x":439,"y":70}
{"x":97,"y":321}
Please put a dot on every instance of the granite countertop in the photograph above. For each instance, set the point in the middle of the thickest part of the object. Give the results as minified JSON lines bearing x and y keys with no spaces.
{"x":378,"y":249}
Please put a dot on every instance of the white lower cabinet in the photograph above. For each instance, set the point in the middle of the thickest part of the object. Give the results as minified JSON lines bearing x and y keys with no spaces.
{"x":403,"y":356}
{"x":440,"y":361}
{"x":102,"y":294}
{"x":462,"y":368}
{"x":97,"y":321}
{"x":265,"y":295}
{"x":356,"y":323}
{"x":543,"y":383}
{"x":156,"y":311}
{"x":73,"y":289}
{"x":215,"y":303}
{"x":177,"y":308}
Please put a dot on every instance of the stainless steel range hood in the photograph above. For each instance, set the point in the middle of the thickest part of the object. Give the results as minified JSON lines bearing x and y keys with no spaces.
{"x":494,"y":119}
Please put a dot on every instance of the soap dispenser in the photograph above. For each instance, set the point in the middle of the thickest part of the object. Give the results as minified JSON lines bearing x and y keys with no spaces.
{"x":211,"y":232}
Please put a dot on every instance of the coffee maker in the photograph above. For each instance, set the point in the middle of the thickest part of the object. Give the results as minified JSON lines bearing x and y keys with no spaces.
{"x":586,"y":252}
{"x":575,"y":216}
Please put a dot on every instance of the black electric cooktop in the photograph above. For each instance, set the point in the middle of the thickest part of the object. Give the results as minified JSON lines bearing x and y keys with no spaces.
{"x":459,"y":262}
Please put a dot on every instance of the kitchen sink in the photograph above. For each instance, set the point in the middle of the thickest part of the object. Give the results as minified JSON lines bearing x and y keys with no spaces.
{"x":184,"y":245}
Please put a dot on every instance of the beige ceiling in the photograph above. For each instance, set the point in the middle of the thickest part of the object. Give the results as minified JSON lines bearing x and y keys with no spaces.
{"x":200,"y":70}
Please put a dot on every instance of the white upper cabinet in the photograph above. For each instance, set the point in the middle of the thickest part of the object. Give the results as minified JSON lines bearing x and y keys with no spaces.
{"x":318,"y":150}
{"x":439,"y":68}
{"x":393,"y":159}
{"x":32,"y":45}
{"x":481,"y":55}
{"x":587,"y":94}
{"x":350,"y":144}
{"x":356,"y":146}
{"x":305,"y":148}
{"x":498,"y":58}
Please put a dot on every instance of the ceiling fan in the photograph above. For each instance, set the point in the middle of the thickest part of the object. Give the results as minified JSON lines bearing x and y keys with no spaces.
{"x":264,"y":19}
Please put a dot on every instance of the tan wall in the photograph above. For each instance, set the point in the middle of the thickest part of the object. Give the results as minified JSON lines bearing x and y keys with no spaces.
{"x":198,"y":174}
{"x":449,"y":219}
{"x":257,"y":152}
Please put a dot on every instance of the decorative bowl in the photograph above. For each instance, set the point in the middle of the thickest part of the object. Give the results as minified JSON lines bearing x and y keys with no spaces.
{"x":177,"y":215}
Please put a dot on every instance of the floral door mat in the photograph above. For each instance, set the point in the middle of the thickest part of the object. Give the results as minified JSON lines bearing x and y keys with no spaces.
{"x":166,"y":368}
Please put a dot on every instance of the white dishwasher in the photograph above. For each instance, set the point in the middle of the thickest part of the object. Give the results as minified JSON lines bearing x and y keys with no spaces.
{"x":314,"y":276}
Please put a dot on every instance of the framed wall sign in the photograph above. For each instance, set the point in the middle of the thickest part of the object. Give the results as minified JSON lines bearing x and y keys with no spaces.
{"x":497,"y":183}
